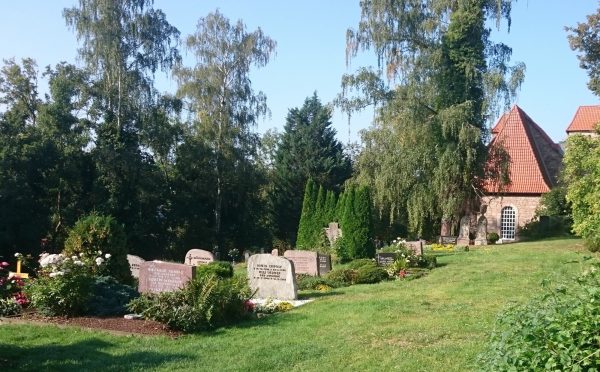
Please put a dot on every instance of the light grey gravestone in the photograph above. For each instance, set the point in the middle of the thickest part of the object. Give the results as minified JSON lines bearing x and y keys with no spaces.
{"x":465,"y":228}
{"x":197,"y":257}
{"x":272,"y":276}
{"x":333,"y":232}
{"x":275,"y":252}
{"x":157,"y":276}
{"x":481,"y":237}
{"x":134,"y":264}
{"x":416,"y":247}
{"x":305,"y":262}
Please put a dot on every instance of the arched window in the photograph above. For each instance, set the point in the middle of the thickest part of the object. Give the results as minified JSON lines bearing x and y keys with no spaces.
{"x":508,"y":223}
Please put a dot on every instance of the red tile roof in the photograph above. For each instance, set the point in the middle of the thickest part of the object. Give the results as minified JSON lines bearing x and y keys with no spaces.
{"x":585,"y":119}
{"x":535,"y":159}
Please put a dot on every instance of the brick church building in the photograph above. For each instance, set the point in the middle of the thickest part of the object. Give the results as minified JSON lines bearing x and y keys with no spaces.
{"x":535,"y":162}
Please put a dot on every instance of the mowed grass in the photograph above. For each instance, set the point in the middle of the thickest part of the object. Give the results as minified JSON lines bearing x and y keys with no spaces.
{"x":436,"y":323}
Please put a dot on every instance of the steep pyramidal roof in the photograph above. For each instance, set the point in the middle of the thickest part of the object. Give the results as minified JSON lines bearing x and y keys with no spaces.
{"x":585,"y":119}
{"x":535,"y":159}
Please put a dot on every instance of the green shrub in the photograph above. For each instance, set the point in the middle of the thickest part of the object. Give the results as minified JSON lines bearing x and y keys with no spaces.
{"x":109,"y":297}
{"x":558,"y":331}
{"x":220,"y":269}
{"x":370,"y":274}
{"x":493,"y":237}
{"x":307,"y":282}
{"x":9,"y":307}
{"x":101,"y":235}
{"x":546,"y":227}
{"x":66,"y":293}
{"x":343,"y":276}
{"x":204,"y":303}
{"x":357,"y":264}
{"x":427,"y":261}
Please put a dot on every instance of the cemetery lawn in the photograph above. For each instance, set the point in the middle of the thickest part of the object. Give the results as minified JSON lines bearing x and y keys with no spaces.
{"x":436,"y":323}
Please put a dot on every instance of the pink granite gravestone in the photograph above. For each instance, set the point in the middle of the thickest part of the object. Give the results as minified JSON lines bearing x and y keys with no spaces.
{"x":305,"y":262}
{"x":157,"y":276}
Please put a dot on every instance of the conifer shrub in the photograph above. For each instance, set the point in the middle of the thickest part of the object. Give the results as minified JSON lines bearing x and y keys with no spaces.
{"x":109,"y":297}
{"x":368,"y":274}
{"x":100,"y":235}
{"x":308,"y":282}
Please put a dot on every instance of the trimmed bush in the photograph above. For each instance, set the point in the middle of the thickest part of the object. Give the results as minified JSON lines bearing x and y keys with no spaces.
{"x":370,"y":275}
{"x":559,"y":331}
{"x":220,"y":269}
{"x":427,"y":261}
{"x":101,"y":235}
{"x":344,"y":276}
{"x":307,"y":282}
{"x":204,"y":303}
{"x":493,"y":237}
{"x":109,"y":297}
{"x":357,"y":264}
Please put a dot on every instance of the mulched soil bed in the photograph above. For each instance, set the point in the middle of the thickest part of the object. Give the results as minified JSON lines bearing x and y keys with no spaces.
{"x":116,"y":325}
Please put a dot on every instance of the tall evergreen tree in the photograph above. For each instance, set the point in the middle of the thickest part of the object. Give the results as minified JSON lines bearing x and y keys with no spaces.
{"x":308,"y":149}
{"x":305,"y":227}
{"x":357,"y":226}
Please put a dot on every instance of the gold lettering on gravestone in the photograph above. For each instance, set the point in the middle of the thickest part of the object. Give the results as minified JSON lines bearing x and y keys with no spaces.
{"x":269,"y":272}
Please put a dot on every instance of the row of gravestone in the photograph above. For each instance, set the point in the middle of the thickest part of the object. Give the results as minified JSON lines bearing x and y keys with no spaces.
{"x":269,"y":275}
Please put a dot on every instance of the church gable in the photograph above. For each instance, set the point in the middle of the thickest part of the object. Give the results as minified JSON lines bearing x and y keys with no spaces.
{"x":535,"y":159}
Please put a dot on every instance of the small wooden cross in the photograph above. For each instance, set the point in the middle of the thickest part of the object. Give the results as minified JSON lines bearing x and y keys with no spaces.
{"x":18,"y":273}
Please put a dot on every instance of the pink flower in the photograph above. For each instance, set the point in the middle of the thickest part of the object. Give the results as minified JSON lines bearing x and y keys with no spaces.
{"x":4,"y":264}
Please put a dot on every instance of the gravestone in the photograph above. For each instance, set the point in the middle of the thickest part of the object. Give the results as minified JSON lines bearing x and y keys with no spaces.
{"x":416,"y":247}
{"x":324,"y":263}
{"x":385,"y":259}
{"x":246,"y":256}
{"x":275,"y":252}
{"x":197,"y":257}
{"x":134,"y":264}
{"x":465,"y":228}
{"x":333,"y":232}
{"x":305,"y":262}
{"x":448,"y":239}
{"x":157,"y":276}
{"x":481,"y":237}
{"x":272,"y":276}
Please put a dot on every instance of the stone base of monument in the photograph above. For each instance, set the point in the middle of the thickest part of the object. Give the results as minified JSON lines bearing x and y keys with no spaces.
{"x":481,"y":242}
{"x":295,"y":303}
{"x":462,"y":241}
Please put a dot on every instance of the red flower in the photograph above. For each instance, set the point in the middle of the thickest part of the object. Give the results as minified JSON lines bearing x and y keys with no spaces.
{"x":249,"y":306}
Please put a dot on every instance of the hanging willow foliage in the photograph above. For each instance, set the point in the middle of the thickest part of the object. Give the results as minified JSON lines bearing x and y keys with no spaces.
{"x":425,"y":155}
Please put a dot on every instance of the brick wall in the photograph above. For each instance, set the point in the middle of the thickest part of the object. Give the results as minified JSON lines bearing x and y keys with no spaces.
{"x":524,"y":206}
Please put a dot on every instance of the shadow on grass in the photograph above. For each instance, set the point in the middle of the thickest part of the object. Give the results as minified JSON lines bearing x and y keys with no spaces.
{"x":308,"y":294}
{"x":87,"y":355}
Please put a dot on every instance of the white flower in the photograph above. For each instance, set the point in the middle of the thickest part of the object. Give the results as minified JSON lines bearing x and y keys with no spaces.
{"x":78,"y":263}
{"x":99,"y":261}
{"x":81,"y":254}
{"x":99,"y":252}
{"x":407,"y":260}
{"x":74,"y":258}
{"x":107,"y":255}
{"x":57,"y":273}
{"x":50,"y":259}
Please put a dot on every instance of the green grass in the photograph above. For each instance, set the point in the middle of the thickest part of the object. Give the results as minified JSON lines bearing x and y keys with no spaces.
{"x":436,"y":323}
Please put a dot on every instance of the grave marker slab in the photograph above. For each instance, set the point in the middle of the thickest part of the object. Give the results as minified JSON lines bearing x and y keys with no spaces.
{"x":134,"y":264}
{"x":416,"y":247}
{"x":385,"y":259}
{"x":157,"y":276}
{"x":272,"y":276}
{"x":197,"y":257}
{"x":324,"y":263}
{"x":305,"y":262}
{"x":448,"y":239}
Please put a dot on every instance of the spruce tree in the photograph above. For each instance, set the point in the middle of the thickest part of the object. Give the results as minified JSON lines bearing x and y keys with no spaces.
{"x":308,"y":149}
{"x":357,"y":226}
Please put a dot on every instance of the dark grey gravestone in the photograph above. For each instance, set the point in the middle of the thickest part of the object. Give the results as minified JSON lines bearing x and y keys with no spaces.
{"x":385,"y":259}
{"x":324,"y":263}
